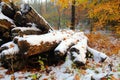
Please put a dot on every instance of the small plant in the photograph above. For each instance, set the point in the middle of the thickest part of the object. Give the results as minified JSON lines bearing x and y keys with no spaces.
{"x":34,"y":76}
{"x":41,"y":62}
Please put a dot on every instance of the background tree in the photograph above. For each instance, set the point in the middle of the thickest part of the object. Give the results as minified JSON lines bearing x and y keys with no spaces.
{"x":105,"y":13}
{"x":73,"y":15}
{"x":70,"y":3}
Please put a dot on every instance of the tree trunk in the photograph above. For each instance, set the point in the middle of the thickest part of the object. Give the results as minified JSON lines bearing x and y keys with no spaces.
{"x":59,"y":17}
{"x":73,"y":15}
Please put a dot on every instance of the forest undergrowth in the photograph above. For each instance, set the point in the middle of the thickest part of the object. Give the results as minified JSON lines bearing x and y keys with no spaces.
{"x":107,"y":43}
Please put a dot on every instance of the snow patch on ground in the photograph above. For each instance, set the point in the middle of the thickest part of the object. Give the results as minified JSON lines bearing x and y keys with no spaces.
{"x":66,"y":71}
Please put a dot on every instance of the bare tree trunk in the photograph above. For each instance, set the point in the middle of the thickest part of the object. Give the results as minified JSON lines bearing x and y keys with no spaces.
{"x":91,"y":25}
{"x":59,"y":18}
{"x":73,"y":15}
{"x":46,"y":5}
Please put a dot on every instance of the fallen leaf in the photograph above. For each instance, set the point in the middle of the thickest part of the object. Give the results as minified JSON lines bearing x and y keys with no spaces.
{"x":1,"y":76}
{"x":104,"y":78}
{"x":77,"y":77}
{"x":113,"y":78}
{"x":12,"y":77}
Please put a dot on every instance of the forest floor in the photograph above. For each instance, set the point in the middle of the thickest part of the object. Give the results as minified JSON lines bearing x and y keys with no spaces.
{"x":108,"y":70}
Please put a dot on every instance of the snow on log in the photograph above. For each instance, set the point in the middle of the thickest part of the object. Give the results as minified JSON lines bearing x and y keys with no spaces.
{"x":8,"y":50}
{"x":5,"y":27}
{"x":97,"y":56}
{"x":78,"y":51}
{"x":63,"y":47}
{"x":5,"y":22}
{"x":25,"y":31}
{"x":23,"y":15}
{"x":7,"y":10}
{"x":40,"y":43}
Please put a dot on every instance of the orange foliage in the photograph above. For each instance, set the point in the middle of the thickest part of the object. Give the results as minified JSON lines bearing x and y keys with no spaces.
{"x":7,"y":1}
{"x":104,"y":43}
{"x":66,"y":3}
{"x":77,"y":77}
{"x":104,"y":12}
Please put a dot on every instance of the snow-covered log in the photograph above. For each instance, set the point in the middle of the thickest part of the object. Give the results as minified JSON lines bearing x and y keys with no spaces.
{"x":78,"y":51}
{"x":7,"y":10}
{"x":25,"y":31}
{"x":64,"y":46}
{"x":5,"y":22}
{"x":8,"y":50}
{"x":97,"y":56}
{"x":5,"y":27}
{"x":36,"y":44}
{"x":23,"y":15}
{"x":27,"y":40}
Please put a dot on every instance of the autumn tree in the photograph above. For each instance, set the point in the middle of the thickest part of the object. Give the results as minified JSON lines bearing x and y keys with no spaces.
{"x":105,"y":13}
{"x":7,"y":1}
{"x":70,"y":3}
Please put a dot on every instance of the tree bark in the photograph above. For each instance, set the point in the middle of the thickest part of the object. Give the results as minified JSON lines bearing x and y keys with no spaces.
{"x":59,"y":17}
{"x":8,"y":11}
{"x":42,"y":24}
{"x":73,"y":15}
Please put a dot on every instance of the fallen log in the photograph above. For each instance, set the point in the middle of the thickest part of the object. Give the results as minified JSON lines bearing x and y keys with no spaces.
{"x":13,"y":16}
{"x":5,"y":24}
{"x":64,"y":46}
{"x":37,"y":44}
{"x":25,"y":14}
{"x":29,"y":13}
{"x":5,"y":28}
{"x":29,"y":45}
{"x":20,"y":31}
{"x":78,"y":52}
{"x":41,"y":43}
{"x":26,"y":43}
{"x":7,"y":10}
